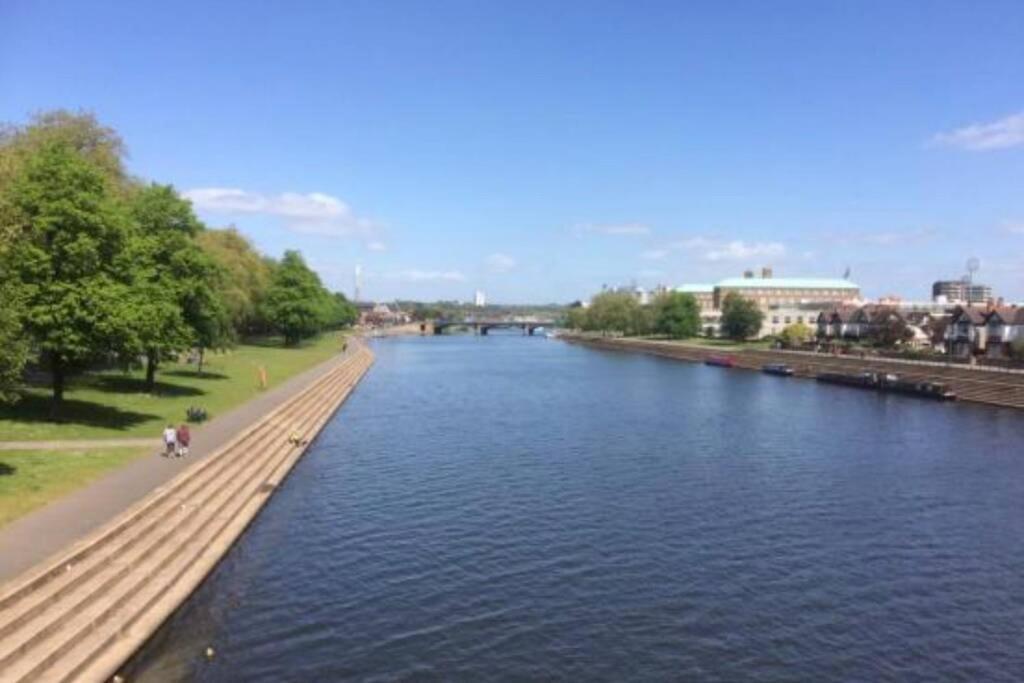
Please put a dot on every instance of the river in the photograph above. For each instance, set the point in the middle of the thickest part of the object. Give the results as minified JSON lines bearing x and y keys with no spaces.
{"x":508,"y":508}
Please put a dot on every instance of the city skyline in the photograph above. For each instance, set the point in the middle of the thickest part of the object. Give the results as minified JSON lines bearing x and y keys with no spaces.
{"x":538,"y":152}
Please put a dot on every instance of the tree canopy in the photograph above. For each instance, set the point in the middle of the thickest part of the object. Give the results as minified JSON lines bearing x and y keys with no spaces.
{"x":245,"y":277}
{"x":889,"y":329}
{"x":98,"y":267}
{"x":69,"y":258}
{"x":677,"y":315}
{"x":174,"y":280}
{"x":796,"y":334}
{"x":296,"y":303}
{"x":741,"y":317}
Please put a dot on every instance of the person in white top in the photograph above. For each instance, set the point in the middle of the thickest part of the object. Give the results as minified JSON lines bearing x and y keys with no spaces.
{"x":170,"y":441}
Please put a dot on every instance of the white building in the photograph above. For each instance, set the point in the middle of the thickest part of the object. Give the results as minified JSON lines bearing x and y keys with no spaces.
{"x":479,"y":299}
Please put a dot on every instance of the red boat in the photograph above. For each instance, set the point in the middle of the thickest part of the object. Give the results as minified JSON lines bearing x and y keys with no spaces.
{"x":721,"y":361}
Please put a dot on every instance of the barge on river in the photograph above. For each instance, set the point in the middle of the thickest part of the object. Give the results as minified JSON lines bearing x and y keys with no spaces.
{"x":780,"y":369}
{"x":721,"y":361}
{"x":890,"y":383}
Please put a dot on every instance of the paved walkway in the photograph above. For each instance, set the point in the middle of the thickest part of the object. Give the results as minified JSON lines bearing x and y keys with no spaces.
{"x":43,"y":532}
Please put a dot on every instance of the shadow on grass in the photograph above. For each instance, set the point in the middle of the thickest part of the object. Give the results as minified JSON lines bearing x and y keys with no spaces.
{"x":119,"y":384}
{"x":192,"y":374}
{"x":6,"y":470}
{"x":270,"y":343}
{"x":36,"y":409}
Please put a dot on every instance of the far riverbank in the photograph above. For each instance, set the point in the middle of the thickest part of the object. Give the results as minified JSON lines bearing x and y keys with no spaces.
{"x":1005,"y":389}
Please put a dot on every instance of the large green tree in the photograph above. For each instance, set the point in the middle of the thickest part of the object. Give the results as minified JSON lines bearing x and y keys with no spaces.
{"x":245,"y":278}
{"x":889,"y":329}
{"x":174,"y":280}
{"x":741,"y":317}
{"x":13,"y":345}
{"x":341,"y":312}
{"x":677,"y":315}
{"x":296,"y":303}
{"x":70,"y":260}
{"x":795,"y":335}
{"x":612,"y":312}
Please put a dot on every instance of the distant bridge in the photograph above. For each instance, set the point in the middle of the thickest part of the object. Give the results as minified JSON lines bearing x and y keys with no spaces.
{"x":483,"y":326}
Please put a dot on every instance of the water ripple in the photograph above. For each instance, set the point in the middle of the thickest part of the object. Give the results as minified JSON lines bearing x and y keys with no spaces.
{"x":506,"y":509}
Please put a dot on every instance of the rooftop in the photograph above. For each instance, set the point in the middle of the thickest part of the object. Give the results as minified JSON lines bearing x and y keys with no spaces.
{"x":696,"y":289}
{"x":787,"y":283}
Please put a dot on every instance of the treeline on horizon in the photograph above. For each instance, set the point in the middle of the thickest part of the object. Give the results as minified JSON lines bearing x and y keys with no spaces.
{"x":673,"y":314}
{"x":100,"y":267}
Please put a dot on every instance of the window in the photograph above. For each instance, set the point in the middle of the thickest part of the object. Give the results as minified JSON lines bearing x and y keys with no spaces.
{"x":787,"y":319}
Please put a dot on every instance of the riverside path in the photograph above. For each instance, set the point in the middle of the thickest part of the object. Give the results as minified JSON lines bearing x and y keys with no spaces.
{"x":80,"y":614}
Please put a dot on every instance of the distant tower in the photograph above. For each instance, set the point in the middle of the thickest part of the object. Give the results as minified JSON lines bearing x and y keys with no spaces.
{"x":479,"y":299}
{"x":359,"y":282}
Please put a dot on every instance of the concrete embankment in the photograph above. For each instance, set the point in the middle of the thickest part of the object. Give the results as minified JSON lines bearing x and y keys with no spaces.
{"x":977,"y":385}
{"x":84,"y":612}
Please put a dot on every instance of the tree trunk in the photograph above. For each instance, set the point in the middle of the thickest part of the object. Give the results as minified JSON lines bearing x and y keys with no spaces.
{"x":202,"y":354}
{"x":58,"y":372}
{"x":151,"y":362}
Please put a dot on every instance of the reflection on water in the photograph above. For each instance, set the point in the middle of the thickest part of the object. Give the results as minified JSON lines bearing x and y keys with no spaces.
{"x":508,"y":508}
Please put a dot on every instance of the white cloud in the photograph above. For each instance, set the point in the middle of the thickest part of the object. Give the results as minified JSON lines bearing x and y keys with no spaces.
{"x":1014,"y":227}
{"x":416,"y":275}
{"x":314,"y":213}
{"x":500,"y":263}
{"x":719,"y":249}
{"x":376,"y":246}
{"x":736,"y":250}
{"x":1002,"y":134}
{"x":622,"y":229}
{"x":885,"y":239}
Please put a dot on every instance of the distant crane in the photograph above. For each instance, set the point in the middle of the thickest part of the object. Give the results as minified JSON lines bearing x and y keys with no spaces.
{"x":973,"y":265}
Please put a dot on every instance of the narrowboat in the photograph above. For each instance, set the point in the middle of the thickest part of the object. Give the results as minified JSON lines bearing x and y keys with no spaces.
{"x":864,"y":380}
{"x":924,"y":389}
{"x":721,"y":361}
{"x":780,"y":369}
{"x":890,"y":383}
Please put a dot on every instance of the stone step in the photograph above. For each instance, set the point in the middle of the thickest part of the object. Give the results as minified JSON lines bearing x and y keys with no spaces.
{"x":84,"y":628}
{"x":32,"y":580}
{"x":167,"y":504}
{"x":117,"y":564}
{"x":145,"y":616}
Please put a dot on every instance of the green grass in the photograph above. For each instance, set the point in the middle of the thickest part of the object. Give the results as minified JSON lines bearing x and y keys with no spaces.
{"x":724,"y":344}
{"x":115,"y":404}
{"x":31,"y":479}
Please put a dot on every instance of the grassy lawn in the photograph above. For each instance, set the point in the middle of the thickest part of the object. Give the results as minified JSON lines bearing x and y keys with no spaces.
{"x":114,"y":404}
{"x":723,"y":344}
{"x":31,"y":479}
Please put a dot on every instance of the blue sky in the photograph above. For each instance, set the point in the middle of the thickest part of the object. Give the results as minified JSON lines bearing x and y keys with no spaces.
{"x":539,"y":150}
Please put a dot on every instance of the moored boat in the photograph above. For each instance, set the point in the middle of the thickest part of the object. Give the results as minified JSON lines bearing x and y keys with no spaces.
{"x":780,"y":369}
{"x":721,"y":361}
{"x":888,"y":382}
{"x":924,"y":389}
{"x":864,"y":380}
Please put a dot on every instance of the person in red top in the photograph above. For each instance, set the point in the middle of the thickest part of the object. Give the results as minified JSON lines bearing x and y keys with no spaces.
{"x":184,"y":438}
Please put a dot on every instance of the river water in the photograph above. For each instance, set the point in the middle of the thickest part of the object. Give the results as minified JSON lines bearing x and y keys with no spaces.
{"x":506,"y":508}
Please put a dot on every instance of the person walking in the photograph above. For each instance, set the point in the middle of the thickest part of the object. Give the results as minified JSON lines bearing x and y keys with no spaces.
{"x":184,"y":439}
{"x":170,"y":441}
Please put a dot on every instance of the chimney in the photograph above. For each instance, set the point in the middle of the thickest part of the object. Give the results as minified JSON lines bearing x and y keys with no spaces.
{"x":748,"y":275}
{"x":766,"y":273}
